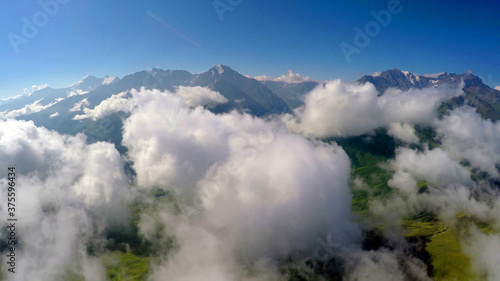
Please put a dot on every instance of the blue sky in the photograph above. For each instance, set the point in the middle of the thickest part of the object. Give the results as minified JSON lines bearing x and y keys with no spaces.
{"x":257,"y":37}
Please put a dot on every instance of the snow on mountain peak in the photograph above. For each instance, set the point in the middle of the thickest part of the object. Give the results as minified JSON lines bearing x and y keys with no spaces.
{"x":434,"y":75}
{"x":81,"y":81}
{"x":220,"y":69}
{"x":89,"y":82}
{"x":411,"y":76}
{"x":108,"y":80}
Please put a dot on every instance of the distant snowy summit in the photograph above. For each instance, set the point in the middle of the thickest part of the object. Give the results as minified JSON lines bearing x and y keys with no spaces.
{"x":476,"y":92}
{"x":90,"y":82}
{"x":405,"y":80}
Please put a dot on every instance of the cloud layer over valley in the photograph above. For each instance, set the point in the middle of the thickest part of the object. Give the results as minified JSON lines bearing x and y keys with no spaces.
{"x":231,"y":196}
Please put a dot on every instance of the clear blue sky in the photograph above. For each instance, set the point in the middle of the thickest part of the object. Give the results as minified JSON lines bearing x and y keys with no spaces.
{"x":258,"y":37}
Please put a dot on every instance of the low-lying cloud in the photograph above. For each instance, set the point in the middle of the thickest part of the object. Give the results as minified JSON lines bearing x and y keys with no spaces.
{"x":339,"y":109}
{"x":469,"y":137}
{"x":66,"y":191}
{"x":27,"y":109}
{"x":290,"y":77}
{"x":261,"y":193}
{"x":125,"y":102}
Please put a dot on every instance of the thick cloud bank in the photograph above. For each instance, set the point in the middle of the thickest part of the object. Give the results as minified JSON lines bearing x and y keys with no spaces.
{"x":191,"y":96}
{"x":27,"y":109}
{"x":66,"y":191}
{"x":468,"y":137}
{"x":458,"y":177}
{"x":263,"y":192}
{"x":461,"y":178}
{"x":249,"y":194}
{"x":340,"y":109}
{"x":290,"y":77}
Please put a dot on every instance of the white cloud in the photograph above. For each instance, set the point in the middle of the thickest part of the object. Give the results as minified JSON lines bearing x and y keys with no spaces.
{"x":108,"y":106}
{"x":375,"y":266}
{"x":434,"y":166}
{"x":66,"y":197}
{"x":34,"y":88}
{"x":191,"y":96}
{"x":449,"y":191}
{"x":28,"y":109}
{"x":202,"y":255}
{"x":263,"y":192}
{"x":77,"y":92}
{"x":485,"y":252}
{"x":450,"y":188}
{"x":467,"y":136}
{"x":340,"y":109}
{"x":261,"y":78}
{"x":54,"y":115}
{"x":497,"y":88}
{"x":12,"y":98}
{"x":199,"y":96}
{"x":403,"y":131}
{"x":171,"y":145}
{"x":38,"y":87}
{"x":79,"y":106}
{"x":290,"y":77}
{"x":289,"y":185}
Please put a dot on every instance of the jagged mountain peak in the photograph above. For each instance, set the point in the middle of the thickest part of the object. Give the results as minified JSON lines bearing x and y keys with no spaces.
{"x":108,"y":80}
{"x":405,"y":80}
{"x":217,"y":73}
{"x":84,"y":80}
{"x":477,"y":93}
{"x":241,"y":91}
{"x":90,"y":82}
{"x":221,"y":70}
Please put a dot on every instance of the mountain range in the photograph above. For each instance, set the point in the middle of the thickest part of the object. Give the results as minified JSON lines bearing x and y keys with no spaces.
{"x":477,"y":93}
{"x":55,"y":108}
